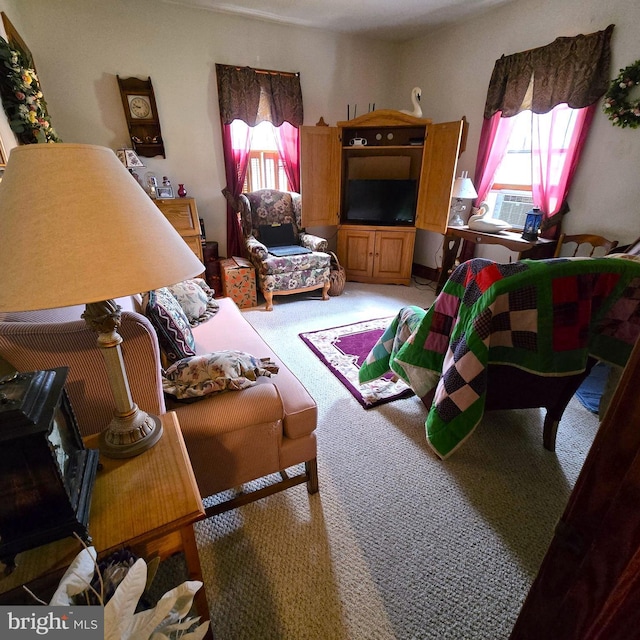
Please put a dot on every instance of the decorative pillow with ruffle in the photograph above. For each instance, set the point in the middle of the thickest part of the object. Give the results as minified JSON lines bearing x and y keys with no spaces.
{"x":196,"y":299}
{"x":171,"y":324}
{"x":215,"y":372}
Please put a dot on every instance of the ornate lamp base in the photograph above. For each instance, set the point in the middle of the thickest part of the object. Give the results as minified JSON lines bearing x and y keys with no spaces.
{"x":129,"y":435}
{"x":131,"y":431}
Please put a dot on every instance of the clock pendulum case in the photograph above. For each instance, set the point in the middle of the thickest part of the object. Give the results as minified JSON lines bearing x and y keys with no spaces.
{"x":141,"y":113}
{"x":46,"y":473}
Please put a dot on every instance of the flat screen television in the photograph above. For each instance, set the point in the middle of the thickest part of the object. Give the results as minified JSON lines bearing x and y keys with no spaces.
{"x":381,"y":202}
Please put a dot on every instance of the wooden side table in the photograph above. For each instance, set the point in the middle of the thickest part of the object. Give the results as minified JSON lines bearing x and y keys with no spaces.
{"x":148,"y":503}
{"x":542,"y":248}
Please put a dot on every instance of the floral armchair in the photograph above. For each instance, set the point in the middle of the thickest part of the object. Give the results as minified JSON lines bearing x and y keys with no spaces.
{"x":290,"y":274}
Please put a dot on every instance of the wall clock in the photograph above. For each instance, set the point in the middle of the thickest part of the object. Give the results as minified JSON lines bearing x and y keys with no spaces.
{"x":141,"y":113}
{"x":46,"y":473}
{"x":139,"y":107}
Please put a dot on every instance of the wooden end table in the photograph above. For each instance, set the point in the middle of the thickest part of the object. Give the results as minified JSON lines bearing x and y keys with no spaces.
{"x":542,"y":248}
{"x":148,"y":504}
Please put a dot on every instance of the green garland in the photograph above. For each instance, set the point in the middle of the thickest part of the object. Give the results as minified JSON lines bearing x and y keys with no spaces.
{"x":618,"y":108}
{"x":22,"y":98}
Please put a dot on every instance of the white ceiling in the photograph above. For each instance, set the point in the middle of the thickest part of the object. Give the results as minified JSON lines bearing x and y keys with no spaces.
{"x":395,"y":20}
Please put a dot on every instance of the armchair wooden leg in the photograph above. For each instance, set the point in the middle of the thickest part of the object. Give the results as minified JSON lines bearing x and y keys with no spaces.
{"x":325,"y":291}
{"x":268,"y":296}
{"x":550,"y":431}
{"x":311,"y":467}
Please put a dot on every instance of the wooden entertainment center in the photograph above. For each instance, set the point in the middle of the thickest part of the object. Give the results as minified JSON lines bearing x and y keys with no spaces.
{"x":380,"y":145}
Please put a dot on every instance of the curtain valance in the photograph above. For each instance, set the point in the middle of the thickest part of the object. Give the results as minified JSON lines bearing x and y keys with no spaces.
{"x":256,"y":95}
{"x":574,"y":70}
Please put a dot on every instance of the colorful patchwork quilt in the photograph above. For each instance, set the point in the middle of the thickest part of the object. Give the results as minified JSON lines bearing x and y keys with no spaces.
{"x":544,"y":316}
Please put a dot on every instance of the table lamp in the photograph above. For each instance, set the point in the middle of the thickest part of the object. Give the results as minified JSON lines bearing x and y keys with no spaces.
{"x":131,"y":161}
{"x":77,"y":229}
{"x":462,"y":189}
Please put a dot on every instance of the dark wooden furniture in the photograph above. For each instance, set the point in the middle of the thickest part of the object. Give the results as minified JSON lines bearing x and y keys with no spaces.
{"x":528,"y":391}
{"x":588,"y":586}
{"x":141,"y":113}
{"x":47,"y":472}
{"x":512,"y":388}
{"x":513,"y":241}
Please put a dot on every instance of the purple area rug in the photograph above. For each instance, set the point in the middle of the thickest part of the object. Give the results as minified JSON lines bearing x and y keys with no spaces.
{"x":344,"y":349}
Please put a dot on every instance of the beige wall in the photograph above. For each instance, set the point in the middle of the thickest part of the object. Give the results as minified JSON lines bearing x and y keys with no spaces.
{"x":453,"y":66}
{"x":80,"y":45}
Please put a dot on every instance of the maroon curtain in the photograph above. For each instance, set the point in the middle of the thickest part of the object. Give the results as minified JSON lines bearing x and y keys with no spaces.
{"x":236,"y":154}
{"x":253,"y":96}
{"x":288,"y":142}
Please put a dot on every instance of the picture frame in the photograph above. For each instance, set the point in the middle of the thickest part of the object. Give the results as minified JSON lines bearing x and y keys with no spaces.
{"x":163,"y":193}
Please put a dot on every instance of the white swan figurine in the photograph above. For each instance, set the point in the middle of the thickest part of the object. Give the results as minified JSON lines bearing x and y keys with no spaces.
{"x":416,"y":94}
{"x":482,"y":221}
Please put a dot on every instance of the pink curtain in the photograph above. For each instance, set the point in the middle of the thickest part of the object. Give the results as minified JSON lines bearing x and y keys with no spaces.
{"x":556,"y":144}
{"x":494,"y":138}
{"x":288,"y":143}
{"x":236,"y":143}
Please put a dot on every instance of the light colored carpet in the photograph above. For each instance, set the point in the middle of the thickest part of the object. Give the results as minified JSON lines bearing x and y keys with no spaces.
{"x":397,"y":544}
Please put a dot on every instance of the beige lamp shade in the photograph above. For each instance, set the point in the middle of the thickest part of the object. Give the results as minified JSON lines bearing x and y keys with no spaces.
{"x":463,"y":187}
{"x":77,"y":228}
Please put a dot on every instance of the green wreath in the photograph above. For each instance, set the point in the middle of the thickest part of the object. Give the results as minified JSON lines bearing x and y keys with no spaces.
{"x":618,"y":108}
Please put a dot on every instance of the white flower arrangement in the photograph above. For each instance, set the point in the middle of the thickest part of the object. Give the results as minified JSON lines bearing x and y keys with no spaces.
{"x":166,"y":621}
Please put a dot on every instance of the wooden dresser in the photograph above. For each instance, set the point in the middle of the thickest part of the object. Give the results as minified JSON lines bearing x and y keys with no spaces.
{"x":182,"y":213}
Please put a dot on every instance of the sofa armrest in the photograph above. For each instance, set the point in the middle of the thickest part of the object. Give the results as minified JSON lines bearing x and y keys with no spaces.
{"x":315,"y":243}
{"x":30,"y":346}
{"x":255,"y":248}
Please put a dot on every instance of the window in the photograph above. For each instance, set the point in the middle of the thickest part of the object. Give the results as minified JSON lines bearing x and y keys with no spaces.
{"x":266,"y":168}
{"x":265,"y":171}
{"x":550,"y":137}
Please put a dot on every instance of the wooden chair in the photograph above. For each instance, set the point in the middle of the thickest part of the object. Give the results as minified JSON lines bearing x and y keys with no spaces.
{"x":586,"y":245}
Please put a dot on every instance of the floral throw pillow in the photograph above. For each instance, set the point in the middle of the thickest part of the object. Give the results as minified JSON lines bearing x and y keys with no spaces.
{"x":196,"y":299}
{"x":215,"y":372}
{"x":171,"y":324}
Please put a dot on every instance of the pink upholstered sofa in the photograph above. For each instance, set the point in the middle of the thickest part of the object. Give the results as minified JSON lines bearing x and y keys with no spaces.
{"x":232,"y":437}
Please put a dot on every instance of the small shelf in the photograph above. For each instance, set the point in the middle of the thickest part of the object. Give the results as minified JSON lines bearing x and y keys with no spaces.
{"x":368,"y":147}
{"x":142,"y":126}
{"x":149,"y":149}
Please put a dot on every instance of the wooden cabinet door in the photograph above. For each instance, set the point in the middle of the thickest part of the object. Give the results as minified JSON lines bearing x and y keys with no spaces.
{"x":320,"y":175}
{"x":393,"y":256}
{"x":437,"y":175}
{"x":356,"y":248}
